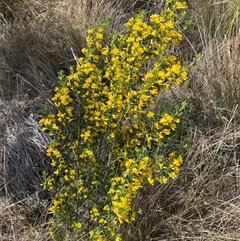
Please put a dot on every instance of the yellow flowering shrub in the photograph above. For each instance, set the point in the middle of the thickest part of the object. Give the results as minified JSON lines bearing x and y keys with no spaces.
{"x":105,"y":131}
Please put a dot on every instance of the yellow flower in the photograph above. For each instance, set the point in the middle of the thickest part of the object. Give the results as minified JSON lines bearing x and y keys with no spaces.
{"x":98,"y":46}
{"x":130,"y":39}
{"x":94,"y":212}
{"x":101,"y":238}
{"x":105,"y":50}
{"x":57,"y":172}
{"x":148,"y":75}
{"x":150,"y":180}
{"x":176,"y":68}
{"x":90,"y":31}
{"x":173,"y":175}
{"x":166,"y":119}
{"x":163,"y":180}
{"x":178,"y":161}
{"x":89,"y":41}
{"x":94,"y":86}
{"x":180,"y":5}
{"x":157,"y":19}
{"x":106,"y":208}
{"x":76,"y":225}
{"x":150,"y":114}
{"x":86,"y":135}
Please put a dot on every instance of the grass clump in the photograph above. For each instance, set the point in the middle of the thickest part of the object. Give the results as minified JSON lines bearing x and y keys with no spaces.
{"x":23,"y":156}
{"x":105,"y":131}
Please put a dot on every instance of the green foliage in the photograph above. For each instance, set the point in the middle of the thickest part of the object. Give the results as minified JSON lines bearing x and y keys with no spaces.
{"x":105,"y":132}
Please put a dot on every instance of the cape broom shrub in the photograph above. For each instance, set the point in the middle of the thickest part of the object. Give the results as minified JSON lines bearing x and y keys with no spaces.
{"x":105,"y":132}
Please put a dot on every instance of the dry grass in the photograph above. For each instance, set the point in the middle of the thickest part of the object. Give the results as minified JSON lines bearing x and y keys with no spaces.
{"x":45,"y":36}
{"x":203,"y":203}
{"x":18,"y":223}
{"x":23,"y":203}
{"x":23,"y":156}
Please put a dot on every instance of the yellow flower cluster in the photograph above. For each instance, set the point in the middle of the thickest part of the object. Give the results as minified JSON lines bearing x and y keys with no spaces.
{"x":106,"y":131}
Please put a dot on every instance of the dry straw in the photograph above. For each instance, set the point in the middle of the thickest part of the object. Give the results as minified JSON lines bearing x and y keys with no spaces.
{"x":203,"y":202}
